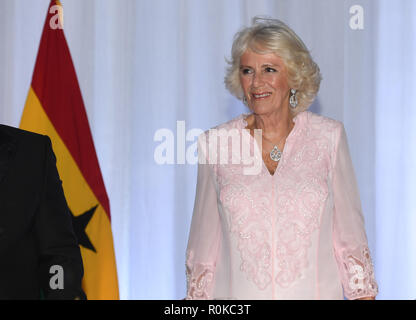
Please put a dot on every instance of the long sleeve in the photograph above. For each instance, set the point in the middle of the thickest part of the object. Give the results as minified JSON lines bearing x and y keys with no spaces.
{"x":205,"y":233}
{"x":56,"y":240}
{"x":350,"y":241}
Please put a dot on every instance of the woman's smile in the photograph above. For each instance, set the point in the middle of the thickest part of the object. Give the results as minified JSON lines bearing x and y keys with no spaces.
{"x":261,"y":95}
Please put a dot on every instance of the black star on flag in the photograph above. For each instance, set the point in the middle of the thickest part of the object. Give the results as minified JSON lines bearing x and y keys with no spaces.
{"x":79,"y":223}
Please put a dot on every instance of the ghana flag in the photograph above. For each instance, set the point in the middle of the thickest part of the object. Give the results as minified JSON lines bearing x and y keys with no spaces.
{"x":54,"y":107}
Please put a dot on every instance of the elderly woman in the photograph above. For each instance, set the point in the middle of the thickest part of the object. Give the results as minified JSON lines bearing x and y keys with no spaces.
{"x":295,"y":230}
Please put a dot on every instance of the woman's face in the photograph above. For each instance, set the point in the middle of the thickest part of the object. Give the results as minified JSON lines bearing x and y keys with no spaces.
{"x":264,"y":81}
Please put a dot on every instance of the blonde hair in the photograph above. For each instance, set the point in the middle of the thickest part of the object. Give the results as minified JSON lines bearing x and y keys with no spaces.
{"x":267,"y":35}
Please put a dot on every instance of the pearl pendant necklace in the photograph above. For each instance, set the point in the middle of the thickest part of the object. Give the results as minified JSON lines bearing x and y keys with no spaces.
{"x":275,"y":154}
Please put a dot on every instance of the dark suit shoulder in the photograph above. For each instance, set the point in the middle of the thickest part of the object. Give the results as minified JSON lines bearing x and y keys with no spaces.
{"x":16,"y":136}
{"x":19,"y":133}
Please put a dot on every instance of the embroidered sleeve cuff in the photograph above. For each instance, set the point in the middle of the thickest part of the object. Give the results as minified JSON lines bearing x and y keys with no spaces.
{"x":359,"y":270}
{"x":200,"y":280}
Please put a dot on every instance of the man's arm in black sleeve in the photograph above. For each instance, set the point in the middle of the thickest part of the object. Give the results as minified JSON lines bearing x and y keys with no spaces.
{"x":57,"y":242}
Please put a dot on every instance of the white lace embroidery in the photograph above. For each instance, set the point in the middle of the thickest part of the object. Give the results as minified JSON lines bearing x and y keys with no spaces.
{"x":298,"y":201}
{"x":199,"y":278}
{"x":360,"y":273}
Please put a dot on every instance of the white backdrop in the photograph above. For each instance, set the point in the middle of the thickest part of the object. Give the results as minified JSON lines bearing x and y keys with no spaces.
{"x":142,"y":65}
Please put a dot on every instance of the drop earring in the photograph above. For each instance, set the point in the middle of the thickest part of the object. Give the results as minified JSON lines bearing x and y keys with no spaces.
{"x":293,"y":101}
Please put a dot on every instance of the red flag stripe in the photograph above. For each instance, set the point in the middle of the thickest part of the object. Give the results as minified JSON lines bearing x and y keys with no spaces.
{"x":55,"y":83}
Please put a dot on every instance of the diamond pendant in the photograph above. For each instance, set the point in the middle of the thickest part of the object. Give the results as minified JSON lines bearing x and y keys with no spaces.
{"x":275,"y":154}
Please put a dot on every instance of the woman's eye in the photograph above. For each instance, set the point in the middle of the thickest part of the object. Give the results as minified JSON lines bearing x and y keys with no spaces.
{"x":268,"y":69}
{"x":246,"y":71}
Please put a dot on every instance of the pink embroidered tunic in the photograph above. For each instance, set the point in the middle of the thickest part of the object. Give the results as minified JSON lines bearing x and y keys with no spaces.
{"x":297,"y":234}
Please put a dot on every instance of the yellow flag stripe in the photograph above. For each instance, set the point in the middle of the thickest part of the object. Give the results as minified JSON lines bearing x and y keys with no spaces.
{"x":80,"y":198}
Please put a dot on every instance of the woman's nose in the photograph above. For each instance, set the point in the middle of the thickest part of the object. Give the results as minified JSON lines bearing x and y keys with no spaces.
{"x":257,"y":79}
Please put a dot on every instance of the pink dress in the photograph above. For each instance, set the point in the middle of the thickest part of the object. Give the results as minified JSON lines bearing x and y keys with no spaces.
{"x":297,"y":234}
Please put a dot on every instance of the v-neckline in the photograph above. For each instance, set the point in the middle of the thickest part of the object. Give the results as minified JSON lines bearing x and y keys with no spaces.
{"x":285,"y":148}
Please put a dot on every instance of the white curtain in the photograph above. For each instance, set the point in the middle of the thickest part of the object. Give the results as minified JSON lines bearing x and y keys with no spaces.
{"x":395,"y":145}
{"x":143,"y":65}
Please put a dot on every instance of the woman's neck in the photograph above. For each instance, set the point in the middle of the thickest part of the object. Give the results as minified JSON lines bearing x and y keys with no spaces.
{"x":274,"y":126}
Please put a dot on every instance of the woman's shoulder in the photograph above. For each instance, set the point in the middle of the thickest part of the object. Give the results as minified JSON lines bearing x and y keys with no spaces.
{"x":238,"y":122}
{"x":321,"y":122}
{"x":324,"y":129}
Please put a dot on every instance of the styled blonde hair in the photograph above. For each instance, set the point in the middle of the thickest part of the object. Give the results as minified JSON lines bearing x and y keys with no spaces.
{"x":267,"y":35}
